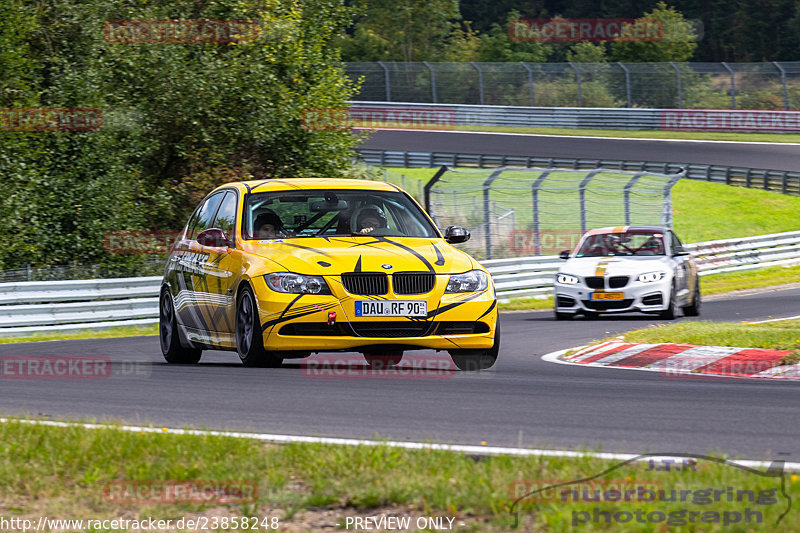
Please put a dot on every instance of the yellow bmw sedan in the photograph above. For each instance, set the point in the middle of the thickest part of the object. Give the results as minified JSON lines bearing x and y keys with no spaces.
{"x":281,"y":269}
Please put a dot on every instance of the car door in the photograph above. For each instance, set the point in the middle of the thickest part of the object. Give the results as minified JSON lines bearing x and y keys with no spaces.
{"x":683,"y":274}
{"x":190,"y":257}
{"x":222,"y":270}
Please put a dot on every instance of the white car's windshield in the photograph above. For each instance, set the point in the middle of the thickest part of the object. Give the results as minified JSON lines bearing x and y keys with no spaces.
{"x":636,"y":243}
{"x":323,"y":213}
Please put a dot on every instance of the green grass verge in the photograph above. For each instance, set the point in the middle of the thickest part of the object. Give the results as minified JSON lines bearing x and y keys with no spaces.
{"x":749,"y":279}
{"x":781,"y":335}
{"x":120,"y":331}
{"x":644,"y":134}
{"x":65,"y":472}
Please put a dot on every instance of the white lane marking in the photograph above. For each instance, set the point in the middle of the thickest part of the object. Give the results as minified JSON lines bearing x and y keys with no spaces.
{"x":774,"y":320}
{"x":584,"y":137}
{"x":694,"y":358}
{"x":467,"y":449}
{"x":602,"y":348}
{"x":780,"y":372}
{"x":622,"y":354}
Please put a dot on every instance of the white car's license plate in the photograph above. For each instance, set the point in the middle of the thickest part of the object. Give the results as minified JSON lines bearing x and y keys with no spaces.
{"x":391,"y":308}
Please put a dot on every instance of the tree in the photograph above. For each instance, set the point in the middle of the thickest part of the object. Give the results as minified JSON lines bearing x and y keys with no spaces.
{"x":678,"y":42}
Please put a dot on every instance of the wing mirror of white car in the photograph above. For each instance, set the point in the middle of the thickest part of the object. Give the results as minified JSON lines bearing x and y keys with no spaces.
{"x":456,"y":234}
{"x":679,"y":253}
{"x":564,"y":254}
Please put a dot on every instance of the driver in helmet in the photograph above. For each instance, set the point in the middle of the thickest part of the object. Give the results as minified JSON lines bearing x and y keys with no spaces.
{"x":268,"y":226}
{"x":369,"y":219}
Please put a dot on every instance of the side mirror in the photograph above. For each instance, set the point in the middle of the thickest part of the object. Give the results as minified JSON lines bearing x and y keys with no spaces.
{"x":681,"y":252}
{"x":213,"y":237}
{"x":456,"y":234}
{"x":564,"y":254}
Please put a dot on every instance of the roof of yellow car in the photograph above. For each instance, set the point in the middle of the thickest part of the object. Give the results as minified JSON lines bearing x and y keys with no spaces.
{"x":313,"y":183}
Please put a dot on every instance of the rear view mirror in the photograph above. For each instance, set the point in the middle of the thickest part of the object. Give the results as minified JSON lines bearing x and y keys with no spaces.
{"x":324,"y":205}
{"x":456,"y":234}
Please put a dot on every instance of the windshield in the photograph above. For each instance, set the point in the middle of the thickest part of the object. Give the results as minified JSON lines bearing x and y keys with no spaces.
{"x":637,"y":243}
{"x":318,"y":213}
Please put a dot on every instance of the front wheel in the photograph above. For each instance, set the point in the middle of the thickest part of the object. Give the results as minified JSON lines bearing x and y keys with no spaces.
{"x":669,"y":312}
{"x":168,"y":335}
{"x":694,"y":308}
{"x":249,"y":339}
{"x":477,"y":359}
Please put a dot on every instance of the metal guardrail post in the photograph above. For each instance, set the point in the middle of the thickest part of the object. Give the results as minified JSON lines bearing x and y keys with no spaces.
{"x":680,"y":86}
{"x":582,"y":196}
{"x":530,"y":82}
{"x":480,"y":79}
{"x":783,"y":83}
{"x":487,"y":209}
{"x":578,"y":78}
{"x":433,"y":81}
{"x":666,"y":214}
{"x":387,"y":82}
{"x":627,"y":196}
{"x":627,"y":81}
{"x":733,"y":85}
{"x":431,"y":182}
{"x":535,"y":202}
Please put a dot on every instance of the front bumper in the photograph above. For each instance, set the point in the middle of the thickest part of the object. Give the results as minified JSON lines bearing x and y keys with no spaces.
{"x":638,"y":296}
{"x":295,"y":322}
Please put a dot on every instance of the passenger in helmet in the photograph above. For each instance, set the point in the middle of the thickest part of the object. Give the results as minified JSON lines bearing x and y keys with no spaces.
{"x":268,"y":225}
{"x":653,"y":245}
{"x":369,"y":219}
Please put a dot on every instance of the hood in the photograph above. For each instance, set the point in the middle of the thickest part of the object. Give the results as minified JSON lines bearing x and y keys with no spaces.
{"x":335,"y":255}
{"x":614,"y":266}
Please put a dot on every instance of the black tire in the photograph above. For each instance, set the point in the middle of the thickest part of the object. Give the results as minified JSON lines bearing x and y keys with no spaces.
{"x":249,"y":340}
{"x":562,"y":316}
{"x":382,"y":361}
{"x":168,"y":335}
{"x":670,"y":311}
{"x":697,"y":301}
{"x":477,"y":359}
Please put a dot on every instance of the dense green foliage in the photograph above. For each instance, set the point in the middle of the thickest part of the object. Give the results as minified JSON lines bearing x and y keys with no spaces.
{"x":178,"y":118}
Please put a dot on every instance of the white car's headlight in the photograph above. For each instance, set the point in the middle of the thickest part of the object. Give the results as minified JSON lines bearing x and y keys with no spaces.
{"x":567,"y":279}
{"x":651,"y":276}
{"x":297,"y":283}
{"x":472,"y":281}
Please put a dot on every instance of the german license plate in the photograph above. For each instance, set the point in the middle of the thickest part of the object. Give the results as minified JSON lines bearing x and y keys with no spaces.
{"x":391,"y":308}
{"x":608,"y":296}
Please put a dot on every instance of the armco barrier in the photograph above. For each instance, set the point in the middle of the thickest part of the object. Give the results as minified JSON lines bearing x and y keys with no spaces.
{"x":783,"y":181}
{"x":446,"y":116}
{"x":40,"y":306}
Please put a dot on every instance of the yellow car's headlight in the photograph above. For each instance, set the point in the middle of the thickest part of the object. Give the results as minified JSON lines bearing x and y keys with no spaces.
{"x":472,"y":281}
{"x":297,"y":283}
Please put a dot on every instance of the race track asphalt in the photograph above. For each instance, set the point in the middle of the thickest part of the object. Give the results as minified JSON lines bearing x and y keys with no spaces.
{"x":521,"y":401}
{"x":778,"y":156}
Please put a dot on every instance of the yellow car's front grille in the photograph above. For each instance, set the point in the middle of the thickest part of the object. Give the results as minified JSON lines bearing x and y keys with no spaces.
{"x":366,"y":283}
{"x":413,"y":282}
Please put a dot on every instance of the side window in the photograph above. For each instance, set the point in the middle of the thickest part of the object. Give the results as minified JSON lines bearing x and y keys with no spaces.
{"x":676,"y":244}
{"x":205,"y":215}
{"x":226,"y":215}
